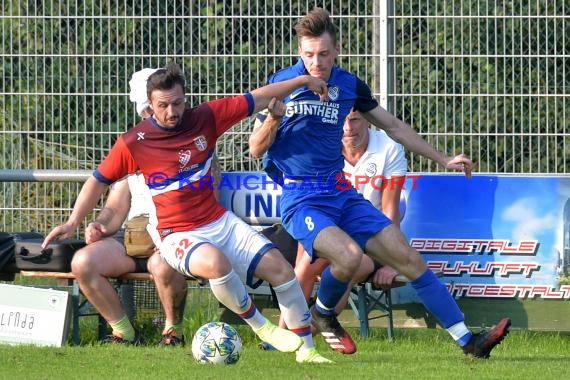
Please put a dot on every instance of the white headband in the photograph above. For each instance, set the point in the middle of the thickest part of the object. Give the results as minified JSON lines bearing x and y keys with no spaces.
{"x":138,"y":89}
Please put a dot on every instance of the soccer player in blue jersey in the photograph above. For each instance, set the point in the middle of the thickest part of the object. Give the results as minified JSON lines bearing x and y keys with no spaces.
{"x":304,"y":153}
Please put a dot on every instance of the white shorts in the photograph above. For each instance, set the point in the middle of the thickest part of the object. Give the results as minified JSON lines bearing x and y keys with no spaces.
{"x":241,"y":244}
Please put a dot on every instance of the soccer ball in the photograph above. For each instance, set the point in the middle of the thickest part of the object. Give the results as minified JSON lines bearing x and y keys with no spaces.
{"x":217,"y":343}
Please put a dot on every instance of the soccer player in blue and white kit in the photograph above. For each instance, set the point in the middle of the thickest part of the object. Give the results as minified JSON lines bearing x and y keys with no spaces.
{"x":331,"y":220}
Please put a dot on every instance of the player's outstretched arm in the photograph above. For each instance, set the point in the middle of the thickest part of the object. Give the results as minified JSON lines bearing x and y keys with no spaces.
{"x":264,"y":133}
{"x":279,"y":90}
{"x":86,"y":201}
{"x":408,"y":137}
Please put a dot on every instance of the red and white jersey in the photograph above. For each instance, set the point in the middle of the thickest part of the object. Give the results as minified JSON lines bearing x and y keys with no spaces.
{"x":176,"y":162}
{"x":384,"y":158}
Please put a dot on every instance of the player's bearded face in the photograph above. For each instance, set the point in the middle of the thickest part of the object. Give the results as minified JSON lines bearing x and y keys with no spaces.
{"x":318,"y":55}
{"x":168,"y":106}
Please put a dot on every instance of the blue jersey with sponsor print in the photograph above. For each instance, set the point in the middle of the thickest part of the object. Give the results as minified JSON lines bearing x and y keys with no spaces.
{"x":309,"y":139}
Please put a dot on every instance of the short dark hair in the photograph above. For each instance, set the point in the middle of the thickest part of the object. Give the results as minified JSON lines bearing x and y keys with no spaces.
{"x":165,"y":79}
{"x":316,"y":23}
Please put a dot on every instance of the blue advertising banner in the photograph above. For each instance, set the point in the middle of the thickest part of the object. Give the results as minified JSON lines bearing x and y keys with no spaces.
{"x":489,"y":236}
{"x":492,"y":236}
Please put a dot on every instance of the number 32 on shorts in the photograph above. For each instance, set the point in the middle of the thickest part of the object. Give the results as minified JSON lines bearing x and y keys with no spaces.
{"x":309,"y":222}
{"x":183,"y":246}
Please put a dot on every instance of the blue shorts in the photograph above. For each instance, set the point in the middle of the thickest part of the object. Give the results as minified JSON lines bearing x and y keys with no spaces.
{"x":305,"y":213}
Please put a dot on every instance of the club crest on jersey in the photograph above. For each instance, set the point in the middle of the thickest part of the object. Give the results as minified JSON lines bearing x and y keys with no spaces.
{"x":184,"y":157}
{"x":333,"y":93}
{"x":371,"y":169}
{"x":201,"y":143}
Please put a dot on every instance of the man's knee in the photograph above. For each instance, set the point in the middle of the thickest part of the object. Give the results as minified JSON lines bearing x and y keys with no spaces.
{"x":346,"y":264}
{"x":343,"y":253}
{"x":157,"y":266}
{"x":105,"y":258}
{"x":81,"y":262}
{"x":152,"y":263}
{"x":274,"y":268}
{"x":344,"y":261}
{"x":163,"y":273}
{"x":366,"y":269}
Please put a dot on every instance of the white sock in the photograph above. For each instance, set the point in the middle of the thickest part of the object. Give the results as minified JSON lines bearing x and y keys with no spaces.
{"x":230,"y":291}
{"x":460,"y":333}
{"x":295,"y":310}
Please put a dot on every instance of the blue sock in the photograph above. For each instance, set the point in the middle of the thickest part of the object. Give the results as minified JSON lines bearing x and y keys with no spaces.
{"x":330,"y":292}
{"x":437,"y":300}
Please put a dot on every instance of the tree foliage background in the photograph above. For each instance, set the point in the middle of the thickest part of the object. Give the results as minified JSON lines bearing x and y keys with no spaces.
{"x":488,"y":78}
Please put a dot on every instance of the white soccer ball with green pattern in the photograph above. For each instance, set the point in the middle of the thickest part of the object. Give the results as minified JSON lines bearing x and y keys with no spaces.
{"x":217,"y":343}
